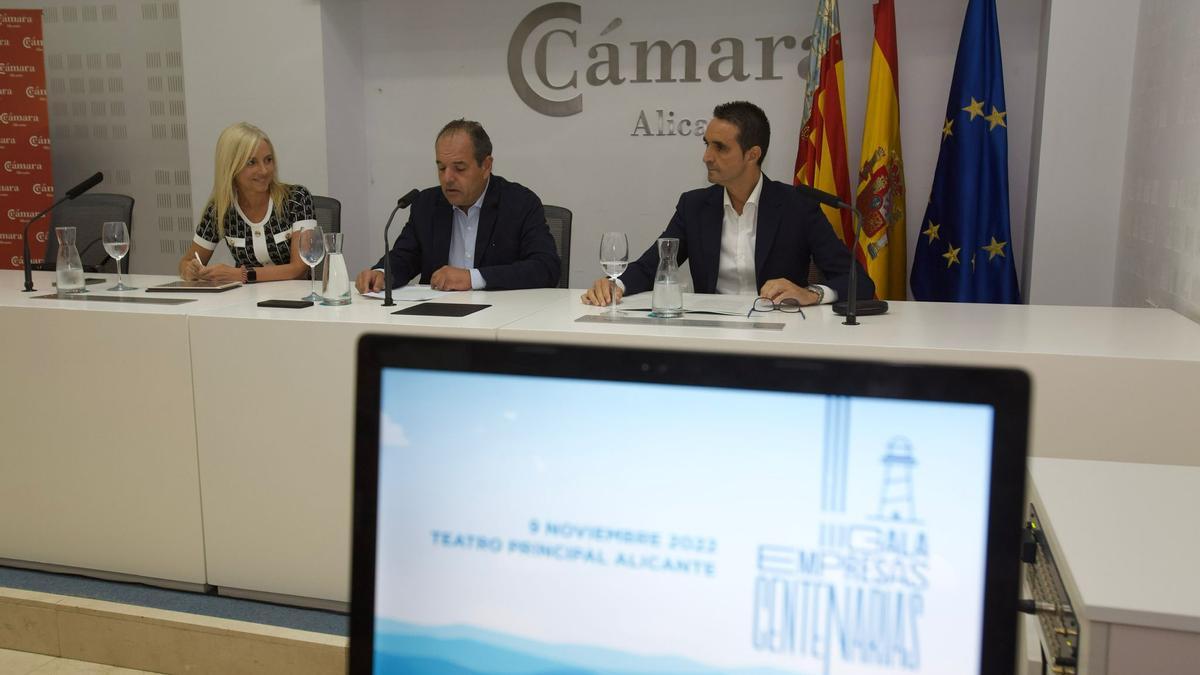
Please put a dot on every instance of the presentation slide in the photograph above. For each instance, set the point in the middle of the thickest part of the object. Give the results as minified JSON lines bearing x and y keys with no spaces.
{"x":539,"y":525}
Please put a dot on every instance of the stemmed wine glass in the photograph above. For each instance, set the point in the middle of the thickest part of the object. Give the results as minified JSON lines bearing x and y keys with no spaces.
{"x":312,"y":252}
{"x":614,"y":258}
{"x":116,"y":243}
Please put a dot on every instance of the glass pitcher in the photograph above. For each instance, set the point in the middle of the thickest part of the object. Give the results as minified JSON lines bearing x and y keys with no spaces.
{"x":69,"y":268}
{"x":335,"y":282}
{"x":668,"y":295}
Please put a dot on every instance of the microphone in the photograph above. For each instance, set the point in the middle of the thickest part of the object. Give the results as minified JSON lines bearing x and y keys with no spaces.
{"x":852,"y":306}
{"x":401,"y":203}
{"x":91,"y":182}
{"x":407,"y":199}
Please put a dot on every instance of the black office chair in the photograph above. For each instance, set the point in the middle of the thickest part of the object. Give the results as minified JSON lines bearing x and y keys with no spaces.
{"x":87,"y":214}
{"x":558,"y":220}
{"x":814,"y":274}
{"x":329,"y":213}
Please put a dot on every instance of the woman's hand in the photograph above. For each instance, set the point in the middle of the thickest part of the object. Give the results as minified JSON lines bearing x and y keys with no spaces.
{"x":221,"y":273}
{"x":191,"y":270}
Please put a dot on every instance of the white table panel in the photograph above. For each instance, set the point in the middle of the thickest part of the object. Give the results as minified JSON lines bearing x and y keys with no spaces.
{"x":98,"y":464}
{"x":275,"y":415}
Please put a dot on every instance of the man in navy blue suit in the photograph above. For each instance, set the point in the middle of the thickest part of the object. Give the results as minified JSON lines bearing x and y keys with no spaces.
{"x":746,"y":234}
{"x":475,"y":231}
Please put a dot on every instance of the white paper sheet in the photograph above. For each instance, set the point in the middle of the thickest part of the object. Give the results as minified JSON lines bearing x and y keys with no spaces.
{"x":707,"y":303}
{"x":416,"y":293}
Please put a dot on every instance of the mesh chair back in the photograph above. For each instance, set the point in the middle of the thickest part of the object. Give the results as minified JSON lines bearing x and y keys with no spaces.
{"x":87,"y":214}
{"x":329,"y":213}
{"x":558,"y":220}
{"x":814,"y":274}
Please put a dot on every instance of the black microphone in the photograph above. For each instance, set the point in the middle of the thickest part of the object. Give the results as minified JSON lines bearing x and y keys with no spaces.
{"x":74,"y":192}
{"x":851,"y":307}
{"x":86,"y":185}
{"x":401,"y":203}
{"x":407,"y":199}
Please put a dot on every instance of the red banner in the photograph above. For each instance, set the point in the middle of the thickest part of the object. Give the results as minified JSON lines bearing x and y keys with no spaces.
{"x":26,"y":183}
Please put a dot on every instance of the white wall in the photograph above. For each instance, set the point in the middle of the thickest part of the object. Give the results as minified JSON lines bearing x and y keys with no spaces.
{"x":1159,"y":261}
{"x":259,"y":62}
{"x":425,"y":64}
{"x":1080,"y":165}
{"x":345,"y":105}
{"x":116,"y":98}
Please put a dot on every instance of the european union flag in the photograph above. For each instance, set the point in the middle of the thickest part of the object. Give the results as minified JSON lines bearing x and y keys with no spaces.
{"x":964,"y":252}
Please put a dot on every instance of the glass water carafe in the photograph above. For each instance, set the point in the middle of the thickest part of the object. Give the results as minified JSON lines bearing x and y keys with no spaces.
{"x":68,"y":267}
{"x":335,"y":282}
{"x":668,"y":295}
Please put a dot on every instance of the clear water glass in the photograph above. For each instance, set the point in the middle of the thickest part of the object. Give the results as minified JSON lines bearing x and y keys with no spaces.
{"x":312,"y":252}
{"x":116,"y":242}
{"x":614,"y":258}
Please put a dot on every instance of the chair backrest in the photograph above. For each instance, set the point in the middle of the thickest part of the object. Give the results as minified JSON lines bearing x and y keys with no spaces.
{"x":558,"y":219}
{"x":814,"y":274}
{"x":87,"y":214}
{"x":329,"y":213}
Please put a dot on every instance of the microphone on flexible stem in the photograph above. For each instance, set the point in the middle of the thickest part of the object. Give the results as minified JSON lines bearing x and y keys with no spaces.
{"x":401,"y":203}
{"x":91,"y":182}
{"x":851,"y":307}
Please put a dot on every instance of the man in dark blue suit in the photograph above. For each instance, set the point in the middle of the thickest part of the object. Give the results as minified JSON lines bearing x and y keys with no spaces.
{"x":746,"y":234}
{"x":476,"y":231}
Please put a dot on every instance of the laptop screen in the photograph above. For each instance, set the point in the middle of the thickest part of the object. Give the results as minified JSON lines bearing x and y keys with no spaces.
{"x":642,"y":519}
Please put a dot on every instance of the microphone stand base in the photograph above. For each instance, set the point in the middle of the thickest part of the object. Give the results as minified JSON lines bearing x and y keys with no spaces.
{"x":862,"y":307}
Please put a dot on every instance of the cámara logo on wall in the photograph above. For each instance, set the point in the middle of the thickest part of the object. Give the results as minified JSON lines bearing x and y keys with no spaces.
{"x":550,"y":32}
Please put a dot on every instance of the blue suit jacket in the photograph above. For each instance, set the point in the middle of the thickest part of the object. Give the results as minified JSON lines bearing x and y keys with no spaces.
{"x":791,"y":231}
{"x":513,"y":247}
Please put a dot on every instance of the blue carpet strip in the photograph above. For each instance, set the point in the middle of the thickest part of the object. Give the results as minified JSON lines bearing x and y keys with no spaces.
{"x":314,"y":620}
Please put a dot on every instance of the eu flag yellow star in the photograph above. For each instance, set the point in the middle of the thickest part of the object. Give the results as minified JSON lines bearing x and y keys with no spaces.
{"x":976,"y":109}
{"x":931,"y":231}
{"x":947,"y":131}
{"x":996,"y":248}
{"x":996,"y":118}
{"x":951,"y":256}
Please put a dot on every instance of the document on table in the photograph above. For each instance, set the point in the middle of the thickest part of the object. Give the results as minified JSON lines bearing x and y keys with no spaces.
{"x":699,"y":303}
{"x":416,"y":293}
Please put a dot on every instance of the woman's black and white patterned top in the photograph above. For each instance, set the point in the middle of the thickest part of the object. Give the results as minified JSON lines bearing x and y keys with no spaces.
{"x":263,"y":243}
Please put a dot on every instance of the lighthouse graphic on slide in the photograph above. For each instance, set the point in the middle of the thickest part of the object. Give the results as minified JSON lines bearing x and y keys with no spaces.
{"x":896,"y":499}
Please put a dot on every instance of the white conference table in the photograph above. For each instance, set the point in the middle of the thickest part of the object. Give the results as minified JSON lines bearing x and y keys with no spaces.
{"x":1109,"y":383}
{"x":274,"y":395}
{"x":212,"y":442}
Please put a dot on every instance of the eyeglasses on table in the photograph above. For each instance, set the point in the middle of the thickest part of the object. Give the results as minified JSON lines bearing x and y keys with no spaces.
{"x":788,"y":305}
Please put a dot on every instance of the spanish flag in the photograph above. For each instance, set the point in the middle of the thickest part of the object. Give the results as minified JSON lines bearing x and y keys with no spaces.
{"x":881,"y":171}
{"x":821,"y":158}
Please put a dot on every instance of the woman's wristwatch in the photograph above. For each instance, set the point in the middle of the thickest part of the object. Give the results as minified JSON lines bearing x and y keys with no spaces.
{"x":249,"y":274}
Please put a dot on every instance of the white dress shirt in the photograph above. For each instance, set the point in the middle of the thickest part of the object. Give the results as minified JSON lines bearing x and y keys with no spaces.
{"x":739,"y":232}
{"x":462,"y":239}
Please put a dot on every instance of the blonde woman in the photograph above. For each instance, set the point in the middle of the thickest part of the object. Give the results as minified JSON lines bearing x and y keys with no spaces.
{"x":258,"y":217}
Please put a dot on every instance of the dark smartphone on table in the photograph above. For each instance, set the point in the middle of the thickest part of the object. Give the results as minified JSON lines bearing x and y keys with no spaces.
{"x":286,"y":304}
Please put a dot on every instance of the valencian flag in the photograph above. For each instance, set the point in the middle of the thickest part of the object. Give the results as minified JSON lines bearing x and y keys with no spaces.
{"x":964,"y":252}
{"x":881,"y":171}
{"x":821,"y":157}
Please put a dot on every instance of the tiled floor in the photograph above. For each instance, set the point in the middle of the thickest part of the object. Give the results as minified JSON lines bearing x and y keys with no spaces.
{"x":24,"y":663}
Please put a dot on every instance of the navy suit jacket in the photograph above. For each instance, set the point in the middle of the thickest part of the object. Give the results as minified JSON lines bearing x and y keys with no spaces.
{"x":513,"y":247}
{"x":791,"y":230}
